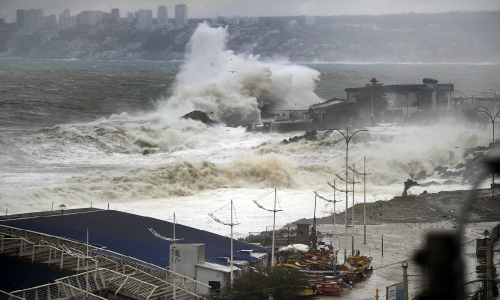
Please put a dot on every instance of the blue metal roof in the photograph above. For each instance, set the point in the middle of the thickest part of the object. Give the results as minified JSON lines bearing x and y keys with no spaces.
{"x":129,"y":234}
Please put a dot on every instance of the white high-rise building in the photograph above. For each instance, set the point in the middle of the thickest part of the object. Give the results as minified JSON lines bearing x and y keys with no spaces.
{"x":65,"y":19}
{"x":236,"y":20}
{"x":162,"y":15}
{"x":181,"y":14}
{"x":145,"y":17}
{"x":35,"y":19}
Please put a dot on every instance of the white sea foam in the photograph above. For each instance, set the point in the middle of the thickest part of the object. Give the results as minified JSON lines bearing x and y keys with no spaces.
{"x":197,"y":169}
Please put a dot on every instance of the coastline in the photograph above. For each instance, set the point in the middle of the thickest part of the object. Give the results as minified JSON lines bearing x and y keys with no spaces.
{"x":427,"y":208}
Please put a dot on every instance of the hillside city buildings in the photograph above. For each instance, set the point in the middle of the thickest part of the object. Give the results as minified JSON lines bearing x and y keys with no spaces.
{"x":35,"y":18}
{"x":163,"y":34}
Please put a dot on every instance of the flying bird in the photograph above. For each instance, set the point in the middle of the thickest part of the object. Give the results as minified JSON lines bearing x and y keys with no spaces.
{"x":232,"y":71}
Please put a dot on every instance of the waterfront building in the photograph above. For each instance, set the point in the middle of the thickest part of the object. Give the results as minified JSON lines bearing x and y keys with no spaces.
{"x":409,"y":98}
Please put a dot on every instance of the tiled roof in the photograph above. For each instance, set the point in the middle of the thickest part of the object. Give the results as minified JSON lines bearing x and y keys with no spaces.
{"x":129,"y":234}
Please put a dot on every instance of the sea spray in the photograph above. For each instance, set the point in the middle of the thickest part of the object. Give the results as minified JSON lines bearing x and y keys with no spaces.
{"x":234,"y":88}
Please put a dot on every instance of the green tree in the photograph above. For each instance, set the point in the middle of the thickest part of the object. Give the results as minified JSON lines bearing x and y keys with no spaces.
{"x":372,"y":99}
{"x":285,"y":284}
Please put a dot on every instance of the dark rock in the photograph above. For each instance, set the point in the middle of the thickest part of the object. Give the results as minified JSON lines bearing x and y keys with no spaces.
{"x":422,"y":175}
{"x":145,"y":152}
{"x":309,"y":136}
{"x":199,"y":116}
{"x":440,"y":169}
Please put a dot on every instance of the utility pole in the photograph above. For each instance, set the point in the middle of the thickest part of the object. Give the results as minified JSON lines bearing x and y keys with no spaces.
{"x":345,"y":230}
{"x":405,"y":279}
{"x":489,"y":275}
{"x":327,"y":200}
{"x":364,"y":196}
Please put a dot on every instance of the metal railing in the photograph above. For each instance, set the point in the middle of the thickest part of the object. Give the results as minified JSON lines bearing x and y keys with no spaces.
{"x":8,"y":296}
{"x":97,"y":280}
{"x":101,"y":255}
{"x":54,"y":291}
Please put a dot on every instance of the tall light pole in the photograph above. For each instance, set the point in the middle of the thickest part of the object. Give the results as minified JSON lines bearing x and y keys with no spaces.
{"x":347,"y":138}
{"x":62,"y":207}
{"x":487,"y":112}
{"x":172,"y":253}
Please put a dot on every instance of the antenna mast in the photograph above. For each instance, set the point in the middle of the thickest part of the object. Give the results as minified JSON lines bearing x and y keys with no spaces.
{"x":274,"y":224}
{"x":228,"y":224}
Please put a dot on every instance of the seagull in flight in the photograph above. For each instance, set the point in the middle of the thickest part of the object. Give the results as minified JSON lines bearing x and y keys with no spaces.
{"x":232,"y":71}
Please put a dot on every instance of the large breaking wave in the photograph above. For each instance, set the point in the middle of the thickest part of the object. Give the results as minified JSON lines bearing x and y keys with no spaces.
{"x":233,"y":88}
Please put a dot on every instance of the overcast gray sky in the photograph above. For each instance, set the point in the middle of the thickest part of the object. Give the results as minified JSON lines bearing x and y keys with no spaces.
{"x":229,"y":8}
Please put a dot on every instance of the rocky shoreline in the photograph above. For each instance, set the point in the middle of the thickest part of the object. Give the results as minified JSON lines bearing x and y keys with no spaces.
{"x":428,"y":208}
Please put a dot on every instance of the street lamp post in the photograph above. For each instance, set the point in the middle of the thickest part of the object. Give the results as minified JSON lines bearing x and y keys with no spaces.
{"x":62,"y":207}
{"x":487,"y":112}
{"x":347,"y":140}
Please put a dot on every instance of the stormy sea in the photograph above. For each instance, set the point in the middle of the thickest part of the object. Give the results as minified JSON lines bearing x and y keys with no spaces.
{"x":109,"y":134}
